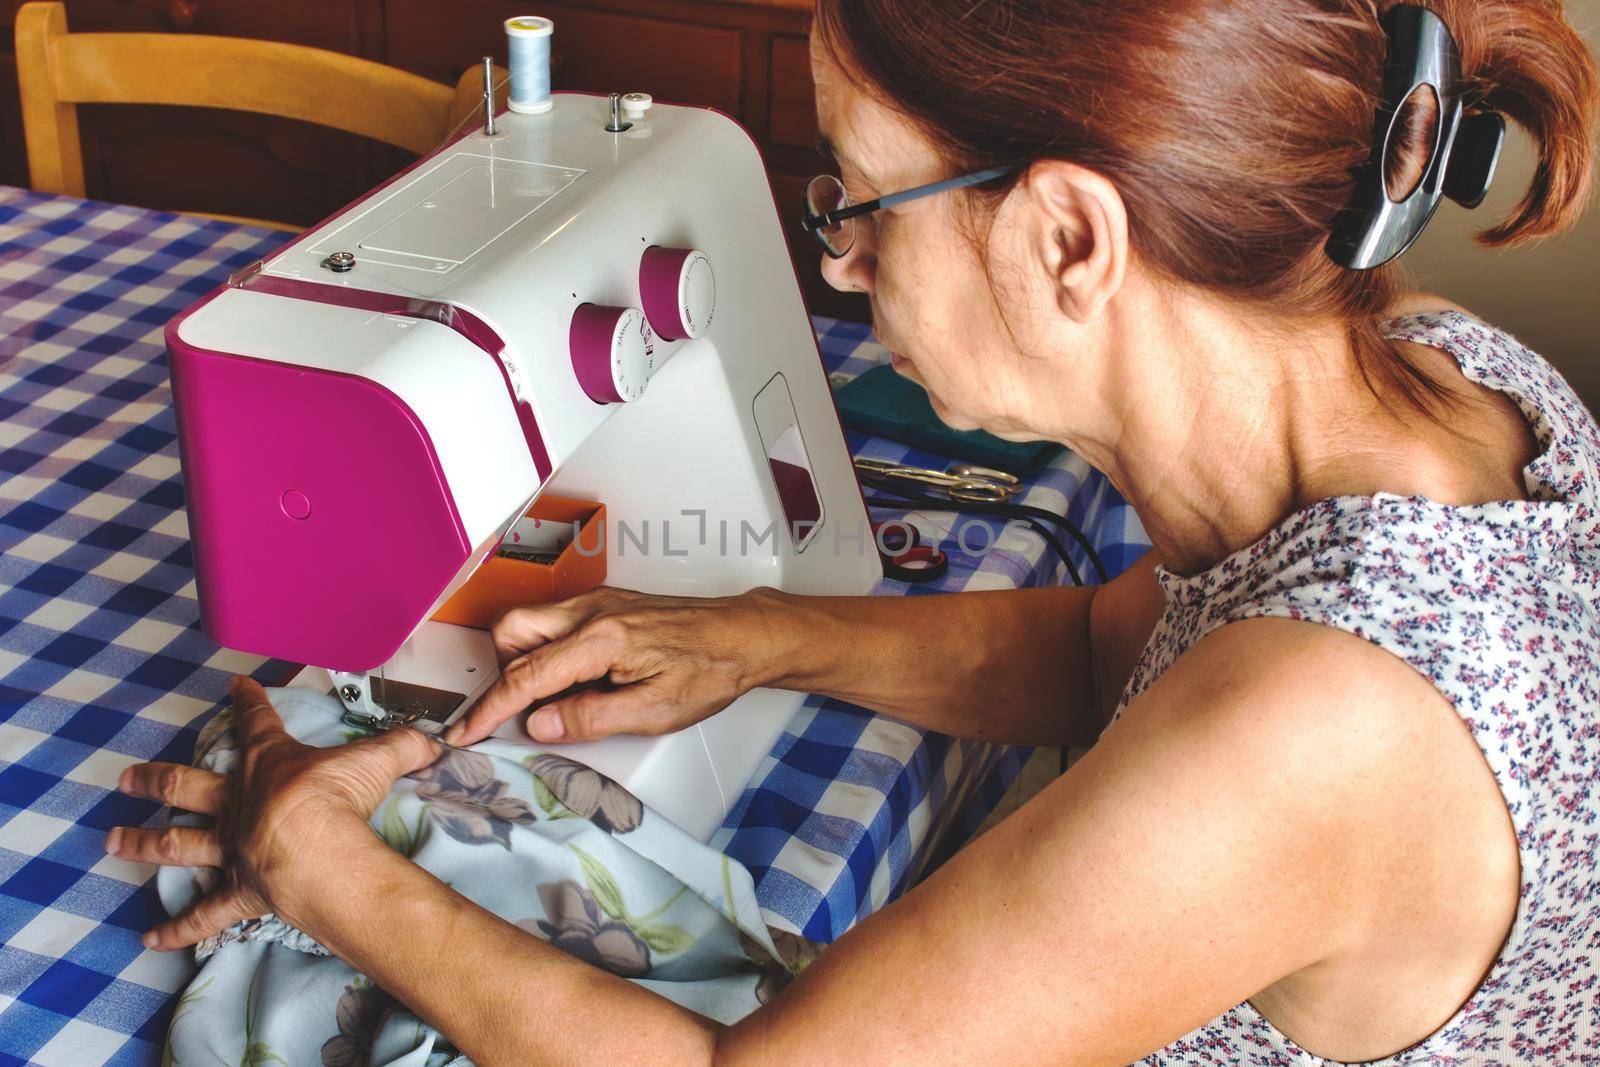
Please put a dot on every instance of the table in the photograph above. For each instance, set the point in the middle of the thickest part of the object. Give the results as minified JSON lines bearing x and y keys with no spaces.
{"x":102,"y":662}
{"x":850,"y":808}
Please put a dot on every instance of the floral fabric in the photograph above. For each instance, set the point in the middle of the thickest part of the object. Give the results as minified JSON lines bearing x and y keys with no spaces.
{"x":1497,"y":604}
{"x":548,"y":844}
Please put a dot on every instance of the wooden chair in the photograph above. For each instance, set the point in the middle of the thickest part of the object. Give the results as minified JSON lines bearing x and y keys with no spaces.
{"x":58,"y":70}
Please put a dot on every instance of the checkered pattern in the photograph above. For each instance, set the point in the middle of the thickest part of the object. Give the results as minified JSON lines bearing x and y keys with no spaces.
{"x":102,"y":662}
{"x":850,"y":807}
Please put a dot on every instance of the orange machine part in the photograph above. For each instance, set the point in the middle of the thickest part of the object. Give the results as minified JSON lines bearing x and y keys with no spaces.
{"x":501,"y":583}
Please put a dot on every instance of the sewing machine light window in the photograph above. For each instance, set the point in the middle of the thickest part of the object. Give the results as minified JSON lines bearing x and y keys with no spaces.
{"x":788,"y":461}
{"x":455,"y":222}
{"x":449,"y":213}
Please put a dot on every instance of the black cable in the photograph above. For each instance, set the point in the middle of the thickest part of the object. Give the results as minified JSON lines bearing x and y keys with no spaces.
{"x":1029,"y":514}
{"x":906,"y":496}
{"x":980,"y":509}
{"x":1073,"y":530}
{"x":1026,"y":512}
{"x":989,"y":510}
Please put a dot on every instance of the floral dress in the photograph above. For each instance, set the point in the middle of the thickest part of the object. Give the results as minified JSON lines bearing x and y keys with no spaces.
{"x":1497,"y":604}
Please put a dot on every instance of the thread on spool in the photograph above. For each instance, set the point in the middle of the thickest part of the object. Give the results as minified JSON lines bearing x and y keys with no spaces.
{"x":528,"y":48}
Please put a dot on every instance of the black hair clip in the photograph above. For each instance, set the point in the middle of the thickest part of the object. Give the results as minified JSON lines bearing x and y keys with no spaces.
{"x":1375,"y":228}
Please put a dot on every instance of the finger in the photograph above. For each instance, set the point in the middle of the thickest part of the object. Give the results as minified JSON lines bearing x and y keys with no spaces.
{"x":209,"y":915}
{"x":166,"y":846}
{"x":254,"y":718}
{"x":184,"y":787}
{"x":534,"y":676}
{"x":396,"y":753}
{"x":521,"y":630}
{"x":632,"y":709}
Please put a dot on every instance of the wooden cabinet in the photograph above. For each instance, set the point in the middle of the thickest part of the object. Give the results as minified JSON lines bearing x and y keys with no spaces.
{"x":791,"y":109}
{"x":746,"y":57}
{"x":339,"y":25}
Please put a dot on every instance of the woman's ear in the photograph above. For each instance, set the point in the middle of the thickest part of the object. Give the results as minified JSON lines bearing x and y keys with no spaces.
{"x":1079,"y":232}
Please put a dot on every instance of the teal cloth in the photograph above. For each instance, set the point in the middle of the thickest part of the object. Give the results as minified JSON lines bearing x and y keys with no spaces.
{"x":881,"y":402}
{"x":562,"y":852}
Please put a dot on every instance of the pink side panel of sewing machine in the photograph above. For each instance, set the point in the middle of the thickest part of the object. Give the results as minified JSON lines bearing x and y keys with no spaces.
{"x":354,"y":454}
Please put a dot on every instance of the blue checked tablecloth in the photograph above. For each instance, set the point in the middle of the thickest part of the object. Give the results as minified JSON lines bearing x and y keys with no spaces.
{"x":850,"y":808}
{"x":102,"y":662}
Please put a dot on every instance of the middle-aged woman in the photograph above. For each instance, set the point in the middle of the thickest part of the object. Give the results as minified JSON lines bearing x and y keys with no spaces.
{"x":1346,"y":803}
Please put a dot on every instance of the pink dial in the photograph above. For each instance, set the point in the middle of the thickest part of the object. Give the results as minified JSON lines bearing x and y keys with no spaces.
{"x":611,"y":349}
{"x":678,"y":291}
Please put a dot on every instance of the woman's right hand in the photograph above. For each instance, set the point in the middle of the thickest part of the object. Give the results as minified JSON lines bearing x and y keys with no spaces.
{"x":670,"y":662}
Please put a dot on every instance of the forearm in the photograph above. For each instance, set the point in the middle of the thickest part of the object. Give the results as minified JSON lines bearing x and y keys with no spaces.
{"x":1013,"y":666}
{"x":498,"y":993}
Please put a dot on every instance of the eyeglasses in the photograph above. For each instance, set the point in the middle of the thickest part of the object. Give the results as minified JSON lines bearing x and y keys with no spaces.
{"x":829,"y":215}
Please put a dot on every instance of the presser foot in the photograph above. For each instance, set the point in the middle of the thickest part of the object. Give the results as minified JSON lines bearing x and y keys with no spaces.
{"x":354,"y":690}
{"x":397,"y":703}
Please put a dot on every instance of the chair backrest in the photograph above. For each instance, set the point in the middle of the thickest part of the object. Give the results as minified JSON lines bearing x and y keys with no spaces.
{"x":58,"y":70}
{"x":468,"y":104}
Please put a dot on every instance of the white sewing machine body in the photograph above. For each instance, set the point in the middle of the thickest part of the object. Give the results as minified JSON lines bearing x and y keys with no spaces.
{"x":355,"y":443}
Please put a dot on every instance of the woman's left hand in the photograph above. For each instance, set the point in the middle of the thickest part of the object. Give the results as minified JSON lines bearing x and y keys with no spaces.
{"x":277,"y":821}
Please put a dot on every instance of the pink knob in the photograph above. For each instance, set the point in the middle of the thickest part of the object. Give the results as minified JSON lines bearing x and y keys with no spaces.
{"x":611,"y":351}
{"x":678,"y":290}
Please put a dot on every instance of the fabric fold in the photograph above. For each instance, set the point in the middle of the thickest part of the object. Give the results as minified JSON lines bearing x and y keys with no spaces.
{"x":552,"y":846}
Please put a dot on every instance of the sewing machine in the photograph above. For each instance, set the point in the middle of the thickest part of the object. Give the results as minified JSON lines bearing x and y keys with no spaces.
{"x":590,"y":301}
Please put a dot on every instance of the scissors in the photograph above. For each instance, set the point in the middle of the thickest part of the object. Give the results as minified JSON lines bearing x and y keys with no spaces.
{"x":962,"y":482}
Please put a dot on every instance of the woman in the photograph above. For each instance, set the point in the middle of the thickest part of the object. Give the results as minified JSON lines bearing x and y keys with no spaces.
{"x":1345,"y":805}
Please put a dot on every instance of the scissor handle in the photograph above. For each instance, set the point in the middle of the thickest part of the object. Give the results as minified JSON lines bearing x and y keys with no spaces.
{"x":977,"y":492}
{"x":968,"y":470}
{"x":921,"y":475}
{"x":963,"y":482}
{"x":980,"y":485}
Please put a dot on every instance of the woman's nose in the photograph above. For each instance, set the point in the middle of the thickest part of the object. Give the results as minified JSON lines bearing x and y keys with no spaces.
{"x":852,"y":272}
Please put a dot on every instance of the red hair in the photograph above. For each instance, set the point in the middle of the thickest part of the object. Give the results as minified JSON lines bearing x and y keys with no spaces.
{"x":1231,"y":128}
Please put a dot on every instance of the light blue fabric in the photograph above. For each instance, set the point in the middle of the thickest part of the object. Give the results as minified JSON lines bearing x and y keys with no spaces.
{"x":544,"y":842}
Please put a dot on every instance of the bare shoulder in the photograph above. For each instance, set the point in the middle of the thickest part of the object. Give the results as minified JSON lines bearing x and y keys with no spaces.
{"x":1282,"y":690}
{"x":1319,"y":724}
{"x":1352,"y":753}
{"x":1249,"y":824}
{"x":1305,"y":716}
{"x":1295,"y":669}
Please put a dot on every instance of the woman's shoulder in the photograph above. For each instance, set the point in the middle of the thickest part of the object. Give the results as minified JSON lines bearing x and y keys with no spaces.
{"x":1489,"y":356}
{"x":1411,"y":305}
{"x":1462,"y":337}
{"x":1438,"y":586}
{"x":1567,"y":463}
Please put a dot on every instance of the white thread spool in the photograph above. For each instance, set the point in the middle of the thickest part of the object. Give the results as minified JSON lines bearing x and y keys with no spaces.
{"x":528,"y":45}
